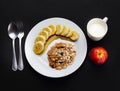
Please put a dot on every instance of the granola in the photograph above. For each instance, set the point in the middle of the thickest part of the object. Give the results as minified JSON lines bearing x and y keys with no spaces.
{"x":61,"y":55}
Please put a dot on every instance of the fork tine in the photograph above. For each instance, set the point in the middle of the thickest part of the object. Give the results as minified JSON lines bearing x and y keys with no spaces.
{"x":19,"y":25}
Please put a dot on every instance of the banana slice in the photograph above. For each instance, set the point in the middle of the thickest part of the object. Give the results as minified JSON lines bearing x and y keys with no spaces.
{"x":65,"y":31}
{"x":49,"y":30}
{"x":45,"y":34}
{"x":40,"y":38}
{"x":70,"y":33}
{"x":38,"y":47}
{"x":53,"y":27}
{"x":59,"y":29}
{"x":74,"y":36}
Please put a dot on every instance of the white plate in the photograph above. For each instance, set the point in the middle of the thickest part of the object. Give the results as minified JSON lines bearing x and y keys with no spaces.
{"x":40,"y":63}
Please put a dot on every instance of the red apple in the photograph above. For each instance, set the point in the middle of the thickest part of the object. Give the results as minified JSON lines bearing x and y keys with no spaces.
{"x":98,"y":55}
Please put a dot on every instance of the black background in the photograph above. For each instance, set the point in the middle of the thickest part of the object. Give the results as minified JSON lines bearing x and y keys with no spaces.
{"x":88,"y":76}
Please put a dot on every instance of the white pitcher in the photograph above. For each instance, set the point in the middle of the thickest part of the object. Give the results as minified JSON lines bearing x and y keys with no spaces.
{"x":97,"y":28}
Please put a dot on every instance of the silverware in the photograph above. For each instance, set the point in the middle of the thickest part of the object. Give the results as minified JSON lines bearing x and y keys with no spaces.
{"x":12,"y":32}
{"x":20,"y":36}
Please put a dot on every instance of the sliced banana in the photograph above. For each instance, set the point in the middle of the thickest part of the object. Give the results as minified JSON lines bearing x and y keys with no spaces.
{"x":40,"y":38}
{"x":59,"y":29}
{"x":45,"y":34}
{"x":53,"y":27}
{"x":74,"y":36}
{"x":70,"y":33}
{"x":38,"y":47}
{"x":65,"y":30}
{"x":49,"y":30}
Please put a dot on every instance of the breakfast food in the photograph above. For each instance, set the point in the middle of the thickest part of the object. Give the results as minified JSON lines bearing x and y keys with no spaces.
{"x":38,"y":47}
{"x":44,"y":33}
{"x":65,"y":30}
{"x":61,"y":55}
{"x":40,"y":38}
{"x":59,"y":29}
{"x":98,"y":55}
{"x":51,"y":30}
{"x":74,"y":36}
{"x":69,"y":33}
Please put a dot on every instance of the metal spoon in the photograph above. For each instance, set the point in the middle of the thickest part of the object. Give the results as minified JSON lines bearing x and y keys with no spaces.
{"x":12,"y":32}
{"x":20,"y":36}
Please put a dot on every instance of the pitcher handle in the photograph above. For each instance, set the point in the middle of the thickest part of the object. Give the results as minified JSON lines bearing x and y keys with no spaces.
{"x":105,"y":19}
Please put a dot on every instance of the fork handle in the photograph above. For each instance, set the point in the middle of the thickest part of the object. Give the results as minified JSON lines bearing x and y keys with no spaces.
{"x":14,"y":61}
{"x":20,"y":61}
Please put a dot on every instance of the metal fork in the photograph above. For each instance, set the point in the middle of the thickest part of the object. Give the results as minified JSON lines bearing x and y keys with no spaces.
{"x":20,"y":36}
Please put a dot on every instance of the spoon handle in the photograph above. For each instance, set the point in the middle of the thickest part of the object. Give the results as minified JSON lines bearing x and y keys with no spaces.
{"x":14,"y":61}
{"x":20,"y":61}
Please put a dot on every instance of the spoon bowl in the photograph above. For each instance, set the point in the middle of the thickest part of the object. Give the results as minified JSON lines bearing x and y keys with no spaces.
{"x":12,"y":30}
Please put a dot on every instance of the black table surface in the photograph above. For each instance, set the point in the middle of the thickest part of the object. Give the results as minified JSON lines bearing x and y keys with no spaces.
{"x":88,"y":76}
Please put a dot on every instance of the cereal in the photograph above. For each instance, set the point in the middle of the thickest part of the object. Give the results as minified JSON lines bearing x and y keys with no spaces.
{"x":61,"y":55}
